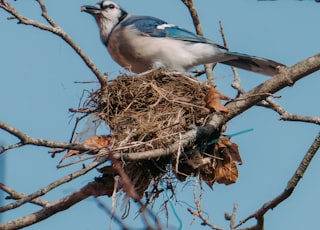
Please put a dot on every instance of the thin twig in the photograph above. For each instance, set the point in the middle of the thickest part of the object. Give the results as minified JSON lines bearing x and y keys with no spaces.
{"x":255,"y":95}
{"x":196,"y":22}
{"x":236,"y":84}
{"x":232,"y":217}
{"x":45,"y":14}
{"x":51,"y":186}
{"x":18,"y":195}
{"x":27,"y":140}
{"x":111,"y":214}
{"x":91,"y":189}
{"x":128,"y":187}
{"x":57,"y":30}
{"x":292,"y":184}
{"x":284,"y":115}
{"x":199,"y":213}
{"x":285,"y":78}
{"x":274,"y":84}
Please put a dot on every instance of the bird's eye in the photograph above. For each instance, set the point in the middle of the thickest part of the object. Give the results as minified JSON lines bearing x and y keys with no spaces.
{"x":111,"y":6}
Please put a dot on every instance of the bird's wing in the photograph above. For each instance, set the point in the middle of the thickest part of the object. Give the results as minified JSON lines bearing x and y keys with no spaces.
{"x":154,"y":27}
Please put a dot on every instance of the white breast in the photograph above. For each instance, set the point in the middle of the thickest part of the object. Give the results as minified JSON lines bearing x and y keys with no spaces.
{"x":139,"y":53}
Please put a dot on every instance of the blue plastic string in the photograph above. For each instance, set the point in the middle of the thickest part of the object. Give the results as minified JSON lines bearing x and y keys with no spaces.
{"x":231,"y":135}
{"x":165,"y":190}
{"x":172,"y":206}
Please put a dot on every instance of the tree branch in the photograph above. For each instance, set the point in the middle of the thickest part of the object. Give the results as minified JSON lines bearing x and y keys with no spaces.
{"x":198,"y":212}
{"x":232,"y":217}
{"x":292,"y":184}
{"x":111,"y":214}
{"x":236,"y":84}
{"x":96,"y":188}
{"x":284,"y":115}
{"x":286,"y":77}
{"x":27,"y":140}
{"x":196,"y":22}
{"x":57,"y":30}
{"x":91,"y":189}
{"x":51,"y":186}
{"x":18,"y":195}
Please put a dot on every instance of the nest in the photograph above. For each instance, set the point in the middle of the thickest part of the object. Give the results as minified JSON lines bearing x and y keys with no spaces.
{"x":150,"y":112}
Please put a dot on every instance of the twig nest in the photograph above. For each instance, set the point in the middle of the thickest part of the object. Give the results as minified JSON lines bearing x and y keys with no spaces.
{"x":148,"y":112}
{"x":151,"y":110}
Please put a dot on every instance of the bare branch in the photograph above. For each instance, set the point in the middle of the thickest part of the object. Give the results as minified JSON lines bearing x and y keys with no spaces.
{"x":18,"y":195}
{"x":284,"y":115}
{"x":27,"y":140}
{"x":91,"y":189}
{"x":95,"y":189}
{"x":196,"y":22}
{"x":51,"y":186}
{"x":232,"y":217}
{"x":236,"y":84}
{"x":110,"y":213}
{"x":128,"y":187}
{"x":198,"y":212}
{"x":292,"y":184}
{"x":286,"y":77}
{"x":194,"y":15}
{"x":57,"y":30}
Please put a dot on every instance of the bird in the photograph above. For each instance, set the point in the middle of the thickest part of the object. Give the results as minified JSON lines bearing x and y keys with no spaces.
{"x":143,"y":43}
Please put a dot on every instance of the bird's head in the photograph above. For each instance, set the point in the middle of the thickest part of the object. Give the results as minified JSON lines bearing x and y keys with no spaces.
{"x":107,"y":14}
{"x":106,"y":9}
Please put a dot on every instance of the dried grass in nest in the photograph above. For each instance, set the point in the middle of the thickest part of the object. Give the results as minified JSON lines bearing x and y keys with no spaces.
{"x":148,"y":112}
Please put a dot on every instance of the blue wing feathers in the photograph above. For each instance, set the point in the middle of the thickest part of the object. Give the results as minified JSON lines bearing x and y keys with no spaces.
{"x":155,"y":27}
{"x":147,"y":25}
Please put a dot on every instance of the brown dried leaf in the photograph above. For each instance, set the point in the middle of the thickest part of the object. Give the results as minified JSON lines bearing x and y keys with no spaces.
{"x":98,"y":141}
{"x":226,"y":172}
{"x":95,"y":141}
{"x":227,"y":150}
{"x":213,"y":100}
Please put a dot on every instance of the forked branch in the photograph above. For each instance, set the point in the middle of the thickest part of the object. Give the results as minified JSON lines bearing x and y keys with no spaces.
{"x":55,"y":29}
{"x":292,"y":184}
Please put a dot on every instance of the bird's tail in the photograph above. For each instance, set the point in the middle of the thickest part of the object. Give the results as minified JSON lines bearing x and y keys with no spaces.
{"x":252,"y":63}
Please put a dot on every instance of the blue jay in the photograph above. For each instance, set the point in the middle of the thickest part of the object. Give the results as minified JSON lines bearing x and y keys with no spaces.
{"x":141,"y":43}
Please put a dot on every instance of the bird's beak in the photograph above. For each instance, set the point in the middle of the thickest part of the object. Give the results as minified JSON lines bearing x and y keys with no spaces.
{"x":91,"y":9}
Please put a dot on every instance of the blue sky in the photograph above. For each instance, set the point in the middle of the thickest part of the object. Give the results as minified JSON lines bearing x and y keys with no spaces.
{"x":38,"y":71}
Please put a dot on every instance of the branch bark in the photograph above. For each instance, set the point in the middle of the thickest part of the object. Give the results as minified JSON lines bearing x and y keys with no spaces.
{"x":91,"y":189}
{"x":51,"y":186}
{"x":284,"y":115}
{"x":286,"y":77}
{"x":198,"y":212}
{"x":27,"y":140}
{"x":292,"y":184}
{"x":196,"y":22}
{"x":57,"y":30}
{"x":18,"y":195}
